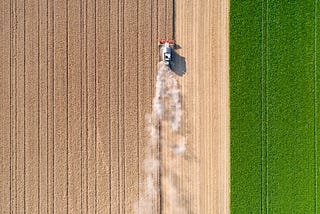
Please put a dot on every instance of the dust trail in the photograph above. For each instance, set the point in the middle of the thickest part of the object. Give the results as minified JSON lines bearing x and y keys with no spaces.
{"x":166,"y":107}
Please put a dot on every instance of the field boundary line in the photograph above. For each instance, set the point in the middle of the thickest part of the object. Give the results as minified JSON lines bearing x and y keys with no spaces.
{"x":315,"y":106}
{"x":264,"y":107}
{"x":267,"y":101}
{"x":261,"y":107}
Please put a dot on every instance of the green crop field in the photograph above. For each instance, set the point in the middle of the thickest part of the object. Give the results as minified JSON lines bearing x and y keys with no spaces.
{"x":275,"y":106}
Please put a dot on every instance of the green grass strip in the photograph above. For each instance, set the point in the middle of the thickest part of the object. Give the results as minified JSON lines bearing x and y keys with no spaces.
{"x":245,"y":102}
{"x":274,"y":106}
{"x":317,"y":107}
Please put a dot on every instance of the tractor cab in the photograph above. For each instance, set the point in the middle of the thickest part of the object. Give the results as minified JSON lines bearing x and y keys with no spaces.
{"x":166,"y":47}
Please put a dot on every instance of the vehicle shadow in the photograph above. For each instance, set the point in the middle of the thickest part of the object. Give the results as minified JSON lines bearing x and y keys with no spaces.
{"x":178,"y":64}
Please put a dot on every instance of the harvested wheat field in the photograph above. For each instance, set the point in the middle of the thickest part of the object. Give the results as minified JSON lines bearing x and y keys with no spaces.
{"x":91,"y":123}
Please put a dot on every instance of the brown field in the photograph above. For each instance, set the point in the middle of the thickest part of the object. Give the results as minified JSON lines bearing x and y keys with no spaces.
{"x":78,"y":78}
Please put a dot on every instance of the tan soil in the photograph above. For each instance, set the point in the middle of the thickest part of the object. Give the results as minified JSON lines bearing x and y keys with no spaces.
{"x":201,"y":30}
{"x":77,"y":79}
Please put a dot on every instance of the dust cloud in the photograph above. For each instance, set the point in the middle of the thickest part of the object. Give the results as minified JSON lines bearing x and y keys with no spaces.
{"x":166,"y":107}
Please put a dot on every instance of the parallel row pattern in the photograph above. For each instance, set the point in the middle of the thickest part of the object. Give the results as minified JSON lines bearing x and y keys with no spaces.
{"x":76,"y":81}
{"x":274,"y":106}
{"x":202,"y":29}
